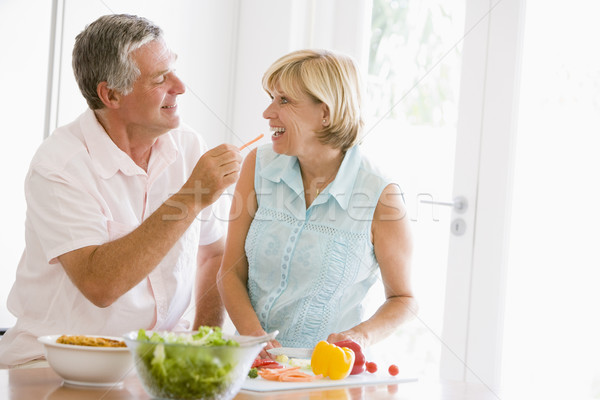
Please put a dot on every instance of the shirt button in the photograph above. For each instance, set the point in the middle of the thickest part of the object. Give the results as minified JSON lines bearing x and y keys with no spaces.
{"x":296,"y":230}
{"x":286,"y":258}
{"x":299,"y":223}
{"x":292,"y":238}
{"x":264,"y":315}
{"x":288,"y":250}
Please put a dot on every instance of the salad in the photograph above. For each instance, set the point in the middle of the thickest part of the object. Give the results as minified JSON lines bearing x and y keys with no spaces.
{"x":206,"y":336}
{"x":185,"y":365}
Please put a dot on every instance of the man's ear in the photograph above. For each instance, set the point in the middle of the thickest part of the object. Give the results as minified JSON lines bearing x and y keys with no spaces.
{"x":109,"y":97}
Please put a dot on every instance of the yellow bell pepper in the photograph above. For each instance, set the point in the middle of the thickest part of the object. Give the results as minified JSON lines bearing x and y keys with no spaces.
{"x":331,"y":360}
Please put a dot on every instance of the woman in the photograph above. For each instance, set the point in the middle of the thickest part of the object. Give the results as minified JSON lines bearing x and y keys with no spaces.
{"x":312,"y":221}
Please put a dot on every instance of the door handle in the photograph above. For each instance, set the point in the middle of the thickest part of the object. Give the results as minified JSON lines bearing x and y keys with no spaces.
{"x":459,"y":204}
{"x":458,"y":226}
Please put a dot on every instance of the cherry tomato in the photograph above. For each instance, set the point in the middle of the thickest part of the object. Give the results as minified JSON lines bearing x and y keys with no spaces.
{"x":371,"y":367}
{"x":393,"y":370}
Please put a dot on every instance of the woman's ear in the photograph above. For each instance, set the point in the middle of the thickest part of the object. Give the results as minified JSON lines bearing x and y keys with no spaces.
{"x":109,"y":97}
{"x":325,"y":114}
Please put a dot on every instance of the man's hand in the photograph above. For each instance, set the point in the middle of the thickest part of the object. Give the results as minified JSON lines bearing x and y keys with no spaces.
{"x":216,"y":170}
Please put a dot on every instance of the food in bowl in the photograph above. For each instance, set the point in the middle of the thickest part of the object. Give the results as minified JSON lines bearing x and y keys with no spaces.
{"x":87,"y":365}
{"x":82,"y":340}
{"x":205,"y":364}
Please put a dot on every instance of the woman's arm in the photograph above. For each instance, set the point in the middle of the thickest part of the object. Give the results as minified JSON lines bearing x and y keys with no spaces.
{"x":233,"y":275}
{"x":393,"y":247}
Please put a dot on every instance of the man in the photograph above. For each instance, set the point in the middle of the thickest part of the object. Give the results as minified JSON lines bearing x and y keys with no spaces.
{"x":121,"y":202}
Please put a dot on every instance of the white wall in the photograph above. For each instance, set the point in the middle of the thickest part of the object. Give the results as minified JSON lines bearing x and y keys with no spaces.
{"x":223,"y":46}
{"x":24,"y":50}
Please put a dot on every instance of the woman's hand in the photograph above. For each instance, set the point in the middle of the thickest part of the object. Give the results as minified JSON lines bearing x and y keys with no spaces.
{"x":270,"y":345}
{"x":348,"y":335}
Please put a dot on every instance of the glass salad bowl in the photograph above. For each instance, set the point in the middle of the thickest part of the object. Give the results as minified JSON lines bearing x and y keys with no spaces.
{"x":205,"y":364}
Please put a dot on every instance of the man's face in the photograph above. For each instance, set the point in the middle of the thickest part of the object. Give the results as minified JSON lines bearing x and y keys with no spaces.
{"x":151,"y":107}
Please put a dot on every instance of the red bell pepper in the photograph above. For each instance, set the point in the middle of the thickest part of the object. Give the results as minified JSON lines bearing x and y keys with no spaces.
{"x":359,"y":357}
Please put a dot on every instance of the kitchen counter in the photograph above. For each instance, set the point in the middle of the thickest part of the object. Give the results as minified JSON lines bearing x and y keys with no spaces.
{"x":44,"y":384}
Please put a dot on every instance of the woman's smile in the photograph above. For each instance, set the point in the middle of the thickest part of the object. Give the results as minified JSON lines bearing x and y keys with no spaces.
{"x":277,"y":131}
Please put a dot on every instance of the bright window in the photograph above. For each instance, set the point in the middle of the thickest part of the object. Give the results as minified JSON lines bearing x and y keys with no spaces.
{"x":413,"y":82}
{"x":551,"y":320}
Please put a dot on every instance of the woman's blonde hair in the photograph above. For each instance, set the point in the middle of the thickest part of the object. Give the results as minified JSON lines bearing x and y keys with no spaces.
{"x":326,"y":77}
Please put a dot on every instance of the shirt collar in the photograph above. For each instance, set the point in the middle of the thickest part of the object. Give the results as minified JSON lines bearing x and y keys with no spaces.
{"x":286,"y":169}
{"x":108,"y":158}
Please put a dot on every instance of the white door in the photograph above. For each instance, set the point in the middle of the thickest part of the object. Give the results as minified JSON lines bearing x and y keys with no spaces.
{"x":442,"y":80}
{"x":475,"y":290}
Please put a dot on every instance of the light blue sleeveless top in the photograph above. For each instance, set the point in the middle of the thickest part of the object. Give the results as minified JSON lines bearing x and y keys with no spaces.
{"x":310,"y":269}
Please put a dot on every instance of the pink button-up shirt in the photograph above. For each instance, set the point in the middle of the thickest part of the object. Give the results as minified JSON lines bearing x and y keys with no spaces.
{"x":82,"y":190}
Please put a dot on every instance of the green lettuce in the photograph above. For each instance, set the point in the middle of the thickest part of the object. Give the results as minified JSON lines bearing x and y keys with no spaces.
{"x":201,"y":368}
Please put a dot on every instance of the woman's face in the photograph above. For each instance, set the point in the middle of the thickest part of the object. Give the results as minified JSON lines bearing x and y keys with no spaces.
{"x":294,"y":123}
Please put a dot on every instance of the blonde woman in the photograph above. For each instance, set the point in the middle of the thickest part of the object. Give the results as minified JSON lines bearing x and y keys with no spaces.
{"x":313,"y":222}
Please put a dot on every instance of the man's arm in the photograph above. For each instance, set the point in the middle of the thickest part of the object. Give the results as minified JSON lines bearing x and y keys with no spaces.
{"x":209,"y":306}
{"x":105,"y":272}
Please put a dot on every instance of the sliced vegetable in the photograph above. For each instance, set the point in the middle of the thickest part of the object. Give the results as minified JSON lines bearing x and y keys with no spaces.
{"x":287,"y":375}
{"x":253,"y":373}
{"x":300,"y":362}
{"x":265,"y":363}
{"x":331,"y":360}
{"x":359,"y":357}
{"x":282,"y":358}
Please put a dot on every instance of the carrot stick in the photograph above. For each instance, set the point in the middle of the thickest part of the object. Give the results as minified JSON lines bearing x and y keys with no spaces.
{"x":256,"y":139}
{"x":287,"y":375}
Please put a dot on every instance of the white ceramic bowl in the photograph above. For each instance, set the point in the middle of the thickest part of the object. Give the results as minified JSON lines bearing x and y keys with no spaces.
{"x":87,"y":365}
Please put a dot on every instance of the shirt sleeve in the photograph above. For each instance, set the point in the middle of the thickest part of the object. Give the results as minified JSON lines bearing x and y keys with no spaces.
{"x":213,"y":220}
{"x":63,"y":216}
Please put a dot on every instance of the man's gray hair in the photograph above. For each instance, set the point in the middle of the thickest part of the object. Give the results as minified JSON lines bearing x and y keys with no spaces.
{"x":102,"y":54}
